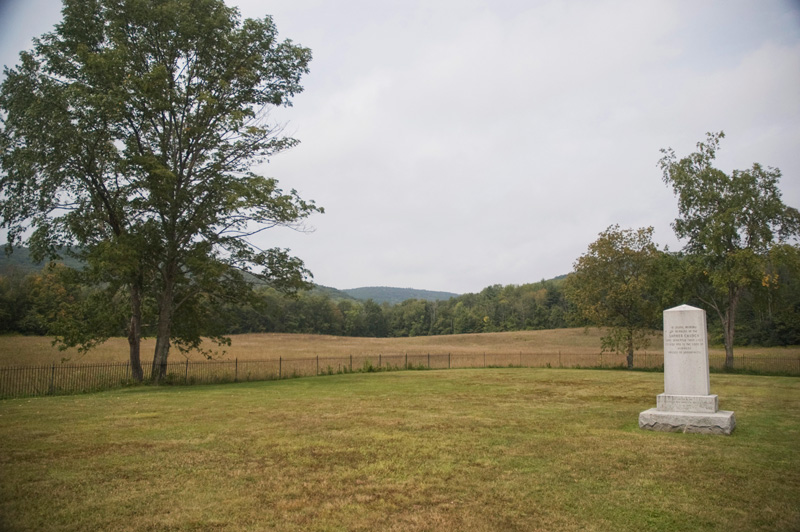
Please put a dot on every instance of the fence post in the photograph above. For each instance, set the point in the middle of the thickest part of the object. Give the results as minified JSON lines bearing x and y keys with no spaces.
{"x":52,"y":378}
{"x":186,"y":372}
{"x":448,"y":360}
{"x":351,"y":363}
{"x":429,"y":361}
{"x":236,"y":370}
{"x":798,"y":360}
{"x":484,"y":359}
{"x":317,"y":364}
{"x":280,"y":364}
{"x":379,"y":360}
{"x":559,"y":358}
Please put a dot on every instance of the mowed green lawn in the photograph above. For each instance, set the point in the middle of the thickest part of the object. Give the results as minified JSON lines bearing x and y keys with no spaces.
{"x":479,"y":449}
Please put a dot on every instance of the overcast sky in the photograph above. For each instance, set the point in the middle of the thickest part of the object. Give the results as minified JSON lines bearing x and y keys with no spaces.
{"x":456,"y":144}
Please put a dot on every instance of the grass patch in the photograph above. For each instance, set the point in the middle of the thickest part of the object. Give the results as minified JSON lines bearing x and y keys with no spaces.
{"x":496,"y":449}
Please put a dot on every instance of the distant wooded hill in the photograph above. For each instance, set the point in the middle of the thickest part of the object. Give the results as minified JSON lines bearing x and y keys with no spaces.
{"x":20,"y":260}
{"x":388,"y":294}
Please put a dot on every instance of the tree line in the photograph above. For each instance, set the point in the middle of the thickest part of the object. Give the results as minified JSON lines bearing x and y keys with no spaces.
{"x":48,"y":302}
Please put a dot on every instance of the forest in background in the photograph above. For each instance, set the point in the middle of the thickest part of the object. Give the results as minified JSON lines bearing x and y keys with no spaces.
{"x":34,"y":300}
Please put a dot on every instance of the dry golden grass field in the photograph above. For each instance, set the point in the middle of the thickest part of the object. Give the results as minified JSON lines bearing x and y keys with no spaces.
{"x":32,"y":350}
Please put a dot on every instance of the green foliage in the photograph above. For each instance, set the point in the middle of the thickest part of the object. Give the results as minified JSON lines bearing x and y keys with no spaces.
{"x":16,"y":304}
{"x":769,"y":313}
{"x":731,"y":224}
{"x":533,"y":306}
{"x":130,"y":131}
{"x":727,"y":218}
{"x":615,"y":285}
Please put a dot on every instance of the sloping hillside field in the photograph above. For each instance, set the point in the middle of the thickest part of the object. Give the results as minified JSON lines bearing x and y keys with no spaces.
{"x":32,"y":350}
{"x":470,"y":449}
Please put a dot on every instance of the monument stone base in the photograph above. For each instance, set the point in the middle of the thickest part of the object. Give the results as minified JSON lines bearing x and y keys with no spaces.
{"x":687,"y":403}
{"x":720,"y":422}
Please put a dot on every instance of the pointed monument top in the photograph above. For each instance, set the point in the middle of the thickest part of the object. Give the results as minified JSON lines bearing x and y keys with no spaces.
{"x":681,"y":308}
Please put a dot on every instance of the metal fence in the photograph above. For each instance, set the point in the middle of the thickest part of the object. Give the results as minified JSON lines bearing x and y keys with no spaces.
{"x":59,"y":379}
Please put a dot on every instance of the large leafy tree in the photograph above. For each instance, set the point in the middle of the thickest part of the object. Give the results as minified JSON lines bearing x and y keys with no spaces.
{"x":730,"y":222}
{"x":63,"y":177}
{"x":614,"y":285}
{"x":131,"y":130}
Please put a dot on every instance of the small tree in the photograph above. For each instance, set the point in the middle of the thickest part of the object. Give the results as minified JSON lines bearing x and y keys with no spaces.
{"x":730,"y":222}
{"x":613,"y":286}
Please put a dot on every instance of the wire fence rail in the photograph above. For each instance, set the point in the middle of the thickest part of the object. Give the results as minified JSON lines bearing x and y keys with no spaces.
{"x":61,"y":379}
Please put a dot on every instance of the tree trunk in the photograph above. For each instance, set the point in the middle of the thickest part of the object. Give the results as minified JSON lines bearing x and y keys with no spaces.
{"x":135,"y":333}
{"x":159,"y":370}
{"x":630,"y":350}
{"x":728,"y":323}
{"x":165,"y":312}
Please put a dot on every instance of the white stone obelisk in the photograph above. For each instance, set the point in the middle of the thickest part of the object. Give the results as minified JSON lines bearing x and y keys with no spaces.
{"x":686,"y":404}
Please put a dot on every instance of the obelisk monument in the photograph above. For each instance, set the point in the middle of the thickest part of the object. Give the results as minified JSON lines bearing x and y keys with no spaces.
{"x":686,"y":404}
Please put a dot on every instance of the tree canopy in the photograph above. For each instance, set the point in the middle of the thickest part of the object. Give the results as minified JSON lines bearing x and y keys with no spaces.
{"x":731,"y":222}
{"x":131,"y":131}
{"x":614,"y":285}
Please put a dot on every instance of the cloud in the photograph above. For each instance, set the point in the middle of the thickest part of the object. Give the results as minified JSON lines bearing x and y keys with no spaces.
{"x":458,"y":144}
